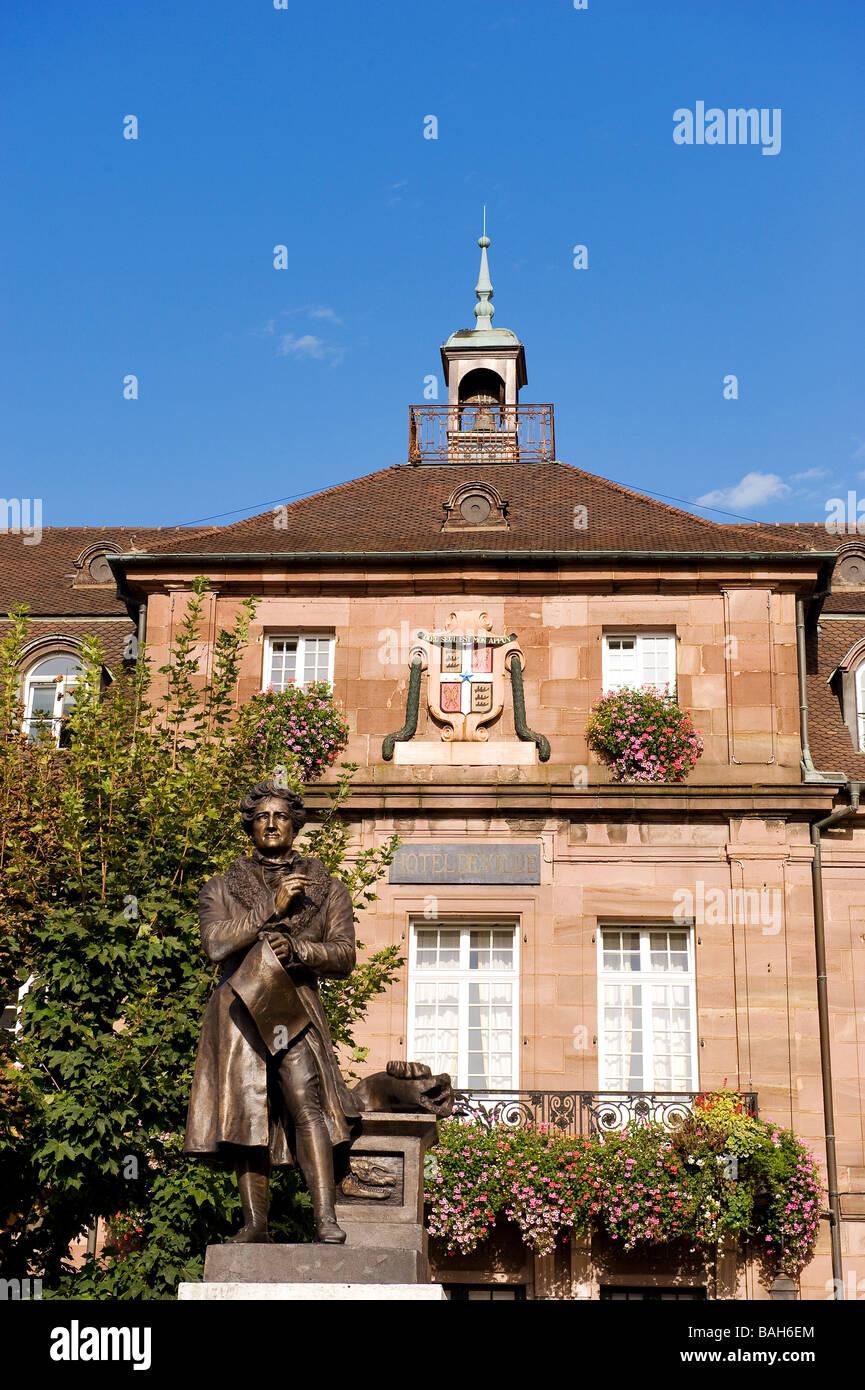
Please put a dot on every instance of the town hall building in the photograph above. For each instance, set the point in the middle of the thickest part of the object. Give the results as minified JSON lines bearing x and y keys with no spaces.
{"x":469,"y":603}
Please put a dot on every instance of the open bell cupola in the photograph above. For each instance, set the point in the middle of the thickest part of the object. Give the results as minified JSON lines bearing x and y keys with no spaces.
{"x":484,"y":371}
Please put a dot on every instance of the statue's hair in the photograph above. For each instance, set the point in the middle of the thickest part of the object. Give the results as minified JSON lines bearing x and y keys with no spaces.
{"x":262,"y":791}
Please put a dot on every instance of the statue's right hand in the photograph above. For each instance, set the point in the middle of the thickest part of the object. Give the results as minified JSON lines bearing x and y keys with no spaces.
{"x":288,"y":890}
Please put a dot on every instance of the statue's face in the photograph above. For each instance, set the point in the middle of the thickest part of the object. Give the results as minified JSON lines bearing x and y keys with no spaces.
{"x":272,"y":830}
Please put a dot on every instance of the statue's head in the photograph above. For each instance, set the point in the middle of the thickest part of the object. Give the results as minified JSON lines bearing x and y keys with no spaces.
{"x":272,"y":815}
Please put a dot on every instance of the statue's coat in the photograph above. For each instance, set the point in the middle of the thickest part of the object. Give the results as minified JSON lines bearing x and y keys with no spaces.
{"x":235,"y":1097}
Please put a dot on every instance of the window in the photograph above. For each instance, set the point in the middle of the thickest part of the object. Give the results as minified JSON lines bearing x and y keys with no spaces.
{"x":49,"y":694}
{"x":298,"y":661}
{"x":635,"y":659}
{"x":463,"y":1002}
{"x":860,"y":706}
{"x":646,"y":1008}
{"x":10,"y":1016}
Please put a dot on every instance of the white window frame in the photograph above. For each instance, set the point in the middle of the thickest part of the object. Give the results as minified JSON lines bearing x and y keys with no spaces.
{"x":61,"y":690}
{"x":640,"y":640}
{"x":463,"y":975}
{"x":17,"y":1006}
{"x":859,"y":685}
{"x":647,"y":976}
{"x":301,"y":638}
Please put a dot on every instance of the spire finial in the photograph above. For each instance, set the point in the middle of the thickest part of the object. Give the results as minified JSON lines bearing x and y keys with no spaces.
{"x":484,"y":309}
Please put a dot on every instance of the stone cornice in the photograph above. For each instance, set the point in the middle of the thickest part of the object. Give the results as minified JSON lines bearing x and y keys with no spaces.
{"x":492,"y":572}
{"x":482,"y":790}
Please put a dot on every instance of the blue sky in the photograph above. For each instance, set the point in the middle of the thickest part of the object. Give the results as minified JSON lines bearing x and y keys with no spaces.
{"x":304,"y":127}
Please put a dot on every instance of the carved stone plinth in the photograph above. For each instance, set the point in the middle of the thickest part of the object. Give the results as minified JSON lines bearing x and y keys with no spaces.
{"x":380,"y":1202}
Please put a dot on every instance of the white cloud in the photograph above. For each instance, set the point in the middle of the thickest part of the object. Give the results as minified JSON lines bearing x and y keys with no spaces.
{"x":322,"y":312}
{"x":809,"y":475}
{"x":308,"y":345}
{"x":754,"y":490}
{"x":314,"y":311}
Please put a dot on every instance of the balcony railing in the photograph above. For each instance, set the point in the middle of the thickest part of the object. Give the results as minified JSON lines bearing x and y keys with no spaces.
{"x":582,"y":1112}
{"x":482,"y":433}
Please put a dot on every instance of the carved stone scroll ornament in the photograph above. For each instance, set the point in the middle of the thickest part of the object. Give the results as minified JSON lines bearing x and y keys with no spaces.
{"x":412,"y":707}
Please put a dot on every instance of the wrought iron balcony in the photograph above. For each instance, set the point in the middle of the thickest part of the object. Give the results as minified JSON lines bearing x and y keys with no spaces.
{"x":582,"y":1112}
{"x":481,"y":433}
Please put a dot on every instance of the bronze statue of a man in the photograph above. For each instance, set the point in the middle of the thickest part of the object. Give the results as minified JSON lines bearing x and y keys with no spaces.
{"x":267,"y":1091}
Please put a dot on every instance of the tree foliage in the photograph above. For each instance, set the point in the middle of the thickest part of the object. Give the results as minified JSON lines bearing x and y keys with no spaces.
{"x":104,"y":846}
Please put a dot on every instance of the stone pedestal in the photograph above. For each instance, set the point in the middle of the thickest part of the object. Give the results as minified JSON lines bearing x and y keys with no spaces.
{"x":380,"y":1202}
{"x":314,"y":1264}
{"x":379,"y":1206}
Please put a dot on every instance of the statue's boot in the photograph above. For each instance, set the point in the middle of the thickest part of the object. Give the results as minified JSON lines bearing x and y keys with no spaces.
{"x":315,"y":1156}
{"x":254,"y":1196}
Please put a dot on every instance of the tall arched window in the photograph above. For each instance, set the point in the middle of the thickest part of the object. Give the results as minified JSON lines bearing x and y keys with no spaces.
{"x":49,"y":694}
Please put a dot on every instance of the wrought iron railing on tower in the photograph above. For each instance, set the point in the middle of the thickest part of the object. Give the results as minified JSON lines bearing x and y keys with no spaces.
{"x":582,"y":1112}
{"x":486,"y":433}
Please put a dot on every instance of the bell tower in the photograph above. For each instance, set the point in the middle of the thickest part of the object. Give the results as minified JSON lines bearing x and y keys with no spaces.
{"x":483,"y":421}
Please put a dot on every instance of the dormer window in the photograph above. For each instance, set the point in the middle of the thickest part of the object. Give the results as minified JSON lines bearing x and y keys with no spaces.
{"x":850,"y":571}
{"x":475,"y":507}
{"x":847,"y":683}
{"x":860,"y":706}
{"x":92,"y":567}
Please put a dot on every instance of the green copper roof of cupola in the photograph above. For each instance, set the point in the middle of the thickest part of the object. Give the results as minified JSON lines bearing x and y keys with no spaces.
{"x":483,"y":334}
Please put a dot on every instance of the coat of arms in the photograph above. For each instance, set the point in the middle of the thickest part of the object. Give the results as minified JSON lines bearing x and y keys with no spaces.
{"x":466,"y":665}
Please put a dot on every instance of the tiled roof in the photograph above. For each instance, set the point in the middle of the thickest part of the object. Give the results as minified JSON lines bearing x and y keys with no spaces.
{"x":111,"y":636}
{"x":845,"y":601}
{"x":43,"y":575}
{"x":811,"y":534}
{"x":831,"y":745}
{"x":401,"y":509}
